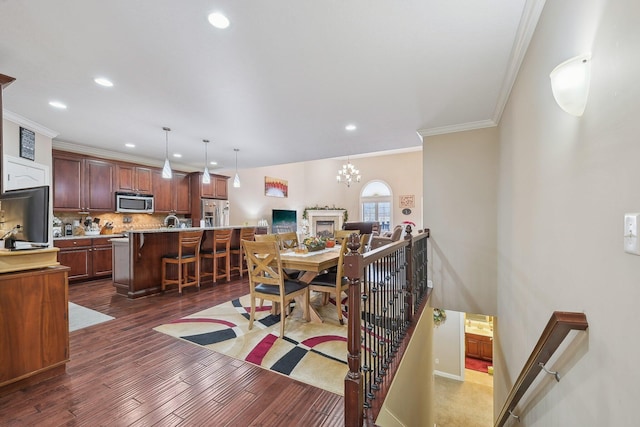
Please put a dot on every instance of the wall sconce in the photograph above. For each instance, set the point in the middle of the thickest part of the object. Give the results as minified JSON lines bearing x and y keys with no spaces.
{"x":570,"y":84}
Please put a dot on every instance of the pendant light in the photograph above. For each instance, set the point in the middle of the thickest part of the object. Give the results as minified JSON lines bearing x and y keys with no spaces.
{"x":166,"y":169}
{"x":236,"y":179}
{"x":206,"y":178}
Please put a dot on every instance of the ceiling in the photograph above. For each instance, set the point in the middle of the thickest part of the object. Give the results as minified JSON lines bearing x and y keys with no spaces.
{"x":280,"y":83}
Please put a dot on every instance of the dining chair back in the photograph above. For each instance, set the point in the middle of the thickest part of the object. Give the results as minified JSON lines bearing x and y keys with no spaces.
{"x":333,"y":282}
{"x":247,"y":233}
{"x":266,"y":238}
{"x":288,"y":240}
{"x":340,"y":235}
{"x":187,"y":255}
{"x":219,"y":254}
{"x":268,"y":282}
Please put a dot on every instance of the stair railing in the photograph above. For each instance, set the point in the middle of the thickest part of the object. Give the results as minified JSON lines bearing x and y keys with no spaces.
{"x":387,"y":292}
{"x":557,"y":329}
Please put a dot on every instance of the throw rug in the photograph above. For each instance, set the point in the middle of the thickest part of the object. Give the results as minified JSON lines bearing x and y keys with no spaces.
{"x":477,"y":364}
{"x":313,"y":353}
{"x":82,"y":317}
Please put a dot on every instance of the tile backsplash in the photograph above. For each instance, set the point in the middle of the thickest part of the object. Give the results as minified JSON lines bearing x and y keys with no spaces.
{"x":120,"y":221}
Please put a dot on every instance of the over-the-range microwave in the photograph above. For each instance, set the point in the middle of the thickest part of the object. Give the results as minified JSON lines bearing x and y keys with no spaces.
{"x":134,"y":203}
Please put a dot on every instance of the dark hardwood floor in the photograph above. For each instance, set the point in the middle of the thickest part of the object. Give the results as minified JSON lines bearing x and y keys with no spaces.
{"x":122,"y":373}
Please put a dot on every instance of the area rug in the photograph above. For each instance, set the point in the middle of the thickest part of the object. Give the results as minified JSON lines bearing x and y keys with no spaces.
{"x":314,"y":353}
{"x":82,"y":317}
{"x":476,"y":364}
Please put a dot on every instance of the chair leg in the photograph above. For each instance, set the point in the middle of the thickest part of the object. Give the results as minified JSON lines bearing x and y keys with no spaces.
{"x":253,"y":312}
{"x":228,"y":259}
{"x":339,"y":306}
{"x":164,"y":274}
{"x":282,"y":317}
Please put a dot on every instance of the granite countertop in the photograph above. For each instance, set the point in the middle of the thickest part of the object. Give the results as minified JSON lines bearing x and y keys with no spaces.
{"x":97,"y":236}
{"x":175,"y":229}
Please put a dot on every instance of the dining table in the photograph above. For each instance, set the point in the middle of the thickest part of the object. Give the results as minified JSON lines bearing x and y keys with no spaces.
{"x":310,"y":264}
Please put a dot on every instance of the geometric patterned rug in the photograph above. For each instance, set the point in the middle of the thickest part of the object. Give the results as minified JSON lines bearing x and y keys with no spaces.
{"x":313,"y":353}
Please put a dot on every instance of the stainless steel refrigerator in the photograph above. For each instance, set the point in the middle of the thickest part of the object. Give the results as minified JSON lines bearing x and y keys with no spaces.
{"x":215,"y":212}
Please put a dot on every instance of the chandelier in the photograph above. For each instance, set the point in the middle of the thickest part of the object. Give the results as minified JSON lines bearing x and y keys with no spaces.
{"x":348,"y":174}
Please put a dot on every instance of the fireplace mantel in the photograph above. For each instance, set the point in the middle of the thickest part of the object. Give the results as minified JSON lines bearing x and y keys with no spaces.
{"x":315,"y":215}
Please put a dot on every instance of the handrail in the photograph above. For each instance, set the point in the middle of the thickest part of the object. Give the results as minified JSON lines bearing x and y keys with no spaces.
{"x":557,"y":329}
{"x":386,"y":295}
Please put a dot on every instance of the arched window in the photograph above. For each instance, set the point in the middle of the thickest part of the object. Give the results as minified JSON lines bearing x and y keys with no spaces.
{"x":377,"y":204}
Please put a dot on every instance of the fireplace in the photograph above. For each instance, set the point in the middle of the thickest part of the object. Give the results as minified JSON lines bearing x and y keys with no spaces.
{"x":325,"y":220}
{"x":325,"y":228}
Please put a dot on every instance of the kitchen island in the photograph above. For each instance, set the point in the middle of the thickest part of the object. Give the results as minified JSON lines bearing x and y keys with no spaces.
{"x":137,"y":258}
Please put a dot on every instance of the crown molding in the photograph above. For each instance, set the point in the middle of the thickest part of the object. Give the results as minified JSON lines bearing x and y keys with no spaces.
{"x":481,"y":124}
{"x":526,"y":28}
{"x":112,"y":155}
{"x":24,"y":122}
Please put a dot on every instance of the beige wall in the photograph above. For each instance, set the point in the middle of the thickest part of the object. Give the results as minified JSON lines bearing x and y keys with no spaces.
{"x":410,"y":398}
{"x":563,"y":187}
{"x":314,"y":183}
{"x":11,"y":143}
{"x":460,"y":194}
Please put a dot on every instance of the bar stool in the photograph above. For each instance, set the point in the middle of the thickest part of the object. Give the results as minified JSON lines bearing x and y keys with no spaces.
{"x":245,"y":234}
{"x":221,"y":250}
{"x":188,"y":250}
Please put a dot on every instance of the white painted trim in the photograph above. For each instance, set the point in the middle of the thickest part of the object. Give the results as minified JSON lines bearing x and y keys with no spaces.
{"x":107,"y":154}
{"x":448,"y":375}
{"x":30,"y":124}
{"x":457,"y":128}
{"x":526,"y":28}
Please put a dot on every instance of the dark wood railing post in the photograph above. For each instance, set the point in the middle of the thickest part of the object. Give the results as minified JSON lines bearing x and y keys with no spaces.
{"x":353,"y":384}
{"x":409,"y":277}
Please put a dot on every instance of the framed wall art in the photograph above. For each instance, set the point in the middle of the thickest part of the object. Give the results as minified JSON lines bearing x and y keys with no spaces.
{"x":27,"y":144}
{"x":408,"y":201}
{"x":275,"y":187}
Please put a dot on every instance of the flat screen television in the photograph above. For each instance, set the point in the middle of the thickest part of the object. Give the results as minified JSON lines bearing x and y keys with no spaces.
{"x":283,"y":221}
{"x":29,"y":209}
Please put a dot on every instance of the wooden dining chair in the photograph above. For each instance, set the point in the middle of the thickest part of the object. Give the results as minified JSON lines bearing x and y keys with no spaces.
{"x":288,"y":240}
{"x":240,"y":266}
{"x":340,"y":235}
{"x":267,"y":280}
{"x":333,"y":282}
{"x":220,"y":252}
{"x":188,"y":250}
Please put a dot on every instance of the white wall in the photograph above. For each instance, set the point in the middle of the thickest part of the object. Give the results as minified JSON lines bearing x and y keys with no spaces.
{"x":448,"y":346}
{"x":565,"y":184}
{"x":314,"y":183}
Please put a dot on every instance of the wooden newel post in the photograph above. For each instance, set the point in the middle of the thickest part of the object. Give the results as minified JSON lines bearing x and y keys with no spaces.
{"x":409,"y":277}
{"x":353,"y":385}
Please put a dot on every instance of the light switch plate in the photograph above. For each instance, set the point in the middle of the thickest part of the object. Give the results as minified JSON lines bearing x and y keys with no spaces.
{"x":631,"y":240}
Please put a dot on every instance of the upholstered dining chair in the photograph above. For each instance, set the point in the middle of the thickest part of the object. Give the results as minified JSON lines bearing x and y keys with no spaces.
{"x":267,"y":280}
{"x":247,"y":233}
{"x":333,"y":282}
{"x":220,"y":252}
{"x":188,"y":250}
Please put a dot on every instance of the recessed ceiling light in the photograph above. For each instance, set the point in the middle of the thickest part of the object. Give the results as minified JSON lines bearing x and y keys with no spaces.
{"x":58,"y":104}
{"x":218,"y":20}
{"x":103,"y":82}
{"x":213,"y":163}
{"x":129,"y":145}
{"x":177,"y":155}
{"x":351,"y":127}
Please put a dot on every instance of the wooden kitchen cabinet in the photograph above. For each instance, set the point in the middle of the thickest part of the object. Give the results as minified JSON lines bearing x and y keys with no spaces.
{"x":86,"y":258}
{"x":135,"y":179}
{"x":82,"y":184}
{"x":182,"y":193}
{"x":216,"y":189}
{"x":171,"y":195}
{"x":479,"y":346}
{"x":34,"y":323}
